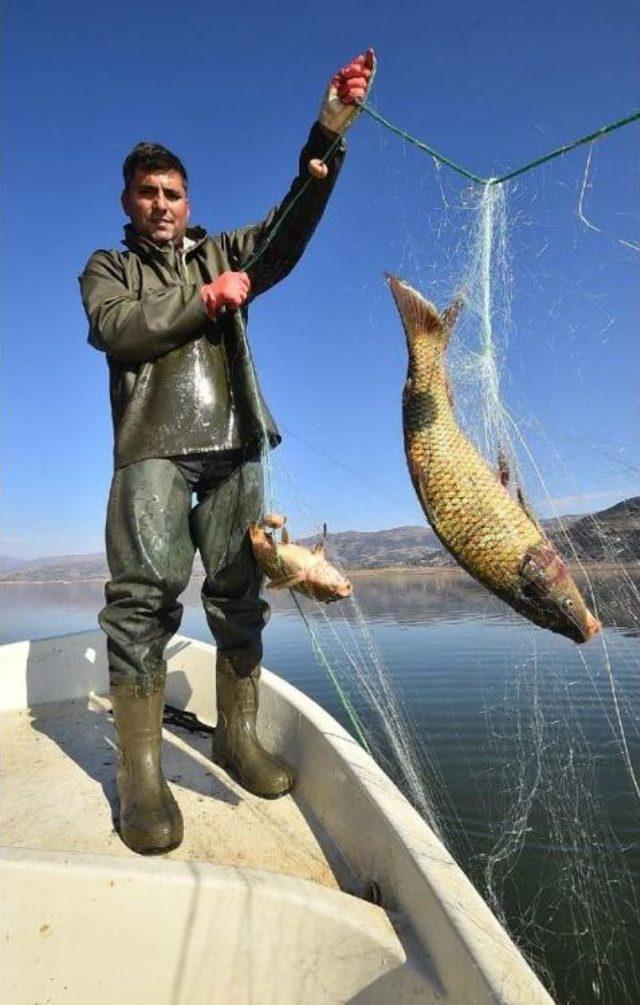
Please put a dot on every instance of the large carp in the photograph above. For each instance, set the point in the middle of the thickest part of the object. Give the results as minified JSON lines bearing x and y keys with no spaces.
{"x":492,"y":535}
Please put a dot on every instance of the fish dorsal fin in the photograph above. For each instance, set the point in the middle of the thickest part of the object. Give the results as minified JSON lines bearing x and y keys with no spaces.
{"x":448,"y":388}
{"x":527,"y":509}
{"x":284,"y":536}
{"x":319,"y":548}
{"x":504,"y":471}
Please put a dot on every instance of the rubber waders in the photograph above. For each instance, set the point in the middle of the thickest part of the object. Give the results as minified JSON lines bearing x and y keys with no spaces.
{"x":235,"y":743}
{"x":150,"y":819}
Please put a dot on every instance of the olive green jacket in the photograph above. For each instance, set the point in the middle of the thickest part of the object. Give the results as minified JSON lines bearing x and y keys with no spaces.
{"x":181,"y":383}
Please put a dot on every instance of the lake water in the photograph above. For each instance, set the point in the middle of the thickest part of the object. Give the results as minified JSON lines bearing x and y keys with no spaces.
{"x":515,"y":733}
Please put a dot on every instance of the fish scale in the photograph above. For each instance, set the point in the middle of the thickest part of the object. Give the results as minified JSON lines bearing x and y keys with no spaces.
{"x":467,"y":506}
{"x":488,"y":532}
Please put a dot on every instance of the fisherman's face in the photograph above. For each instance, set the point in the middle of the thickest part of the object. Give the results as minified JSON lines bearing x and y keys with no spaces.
{"x":158,"y":206}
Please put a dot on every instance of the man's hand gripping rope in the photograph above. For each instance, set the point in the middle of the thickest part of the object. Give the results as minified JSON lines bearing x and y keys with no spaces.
{"x":339,"y":107}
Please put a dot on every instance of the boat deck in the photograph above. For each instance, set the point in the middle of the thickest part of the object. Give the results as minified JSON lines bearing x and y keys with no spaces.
{"x":258,"y":903}
{"x":58,"y":764}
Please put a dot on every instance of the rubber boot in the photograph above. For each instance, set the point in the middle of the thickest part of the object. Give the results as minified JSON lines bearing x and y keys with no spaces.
{"x":235,"y":743}
{"x":150,"y":819}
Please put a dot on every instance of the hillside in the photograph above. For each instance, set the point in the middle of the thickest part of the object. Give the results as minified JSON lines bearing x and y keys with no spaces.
{"x":611,"y":535}
{"x":406,"y":547}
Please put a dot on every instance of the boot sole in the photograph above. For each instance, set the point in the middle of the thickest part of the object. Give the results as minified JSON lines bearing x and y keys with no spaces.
{"x":153,"y":849}
{"x":229,"y":767}
{"x":162,"y":850}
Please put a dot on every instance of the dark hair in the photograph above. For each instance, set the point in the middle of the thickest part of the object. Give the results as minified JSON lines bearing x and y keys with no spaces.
{"x":151,"y":157}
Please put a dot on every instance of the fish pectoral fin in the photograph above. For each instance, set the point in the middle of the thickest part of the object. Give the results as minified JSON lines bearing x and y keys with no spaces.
{"x":419,"y":480}
{"x":287,"y":582}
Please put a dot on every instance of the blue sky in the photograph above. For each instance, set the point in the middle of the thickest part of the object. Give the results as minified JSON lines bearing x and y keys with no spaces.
{"x":234,"y":92}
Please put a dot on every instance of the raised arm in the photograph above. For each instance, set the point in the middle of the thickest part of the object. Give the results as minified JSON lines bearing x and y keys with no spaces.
{"x":269,"y":250}
{"x":280,"y":239}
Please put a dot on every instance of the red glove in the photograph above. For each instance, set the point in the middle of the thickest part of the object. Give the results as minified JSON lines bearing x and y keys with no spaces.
{"x":352,"y":81}
{"x":230,"y":289}
{"x":347,"y":86}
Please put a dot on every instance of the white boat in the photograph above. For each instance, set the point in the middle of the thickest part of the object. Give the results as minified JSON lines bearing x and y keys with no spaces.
{"x":339,"y":892}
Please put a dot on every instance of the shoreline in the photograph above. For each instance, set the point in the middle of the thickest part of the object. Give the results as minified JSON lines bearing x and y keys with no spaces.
{"x":357,"y":573}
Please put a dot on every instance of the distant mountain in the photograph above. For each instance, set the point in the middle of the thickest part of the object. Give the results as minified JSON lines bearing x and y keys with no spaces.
{"x":404,"y":547}
{"x":63,"y":569}
{"x":7,"y":563}
{"x":57,"y":568}
{"x":610,"y":535}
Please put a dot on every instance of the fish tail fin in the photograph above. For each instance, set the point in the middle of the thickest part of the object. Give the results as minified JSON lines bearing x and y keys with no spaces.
{"x":420,"y":316}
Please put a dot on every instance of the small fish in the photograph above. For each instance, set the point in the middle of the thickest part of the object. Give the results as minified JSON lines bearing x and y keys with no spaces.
{"x":493,"y":536}
{"x":292,"y":566}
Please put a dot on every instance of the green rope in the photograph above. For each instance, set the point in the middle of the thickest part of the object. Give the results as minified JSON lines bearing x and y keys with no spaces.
{"x":603,"y":131}
{"x":346,"y":704}
{"x":632,"y":117}
{"x":303,"y":188}
{"x":420,"y":145}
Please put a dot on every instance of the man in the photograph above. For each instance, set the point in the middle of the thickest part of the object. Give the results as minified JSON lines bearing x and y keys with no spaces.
{"x":170,"y":313}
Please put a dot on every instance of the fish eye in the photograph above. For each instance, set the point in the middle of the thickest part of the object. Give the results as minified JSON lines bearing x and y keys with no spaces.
{"x":568,"y":604}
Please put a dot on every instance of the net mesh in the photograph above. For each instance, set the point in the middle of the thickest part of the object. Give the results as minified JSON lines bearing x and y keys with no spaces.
{"x":553,"y":775}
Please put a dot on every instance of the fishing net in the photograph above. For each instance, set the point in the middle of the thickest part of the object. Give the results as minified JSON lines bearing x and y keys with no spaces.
{"x":541,"y":806}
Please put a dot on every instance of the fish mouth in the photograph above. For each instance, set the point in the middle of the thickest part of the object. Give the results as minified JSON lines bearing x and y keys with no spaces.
{"x":335,"y":593}
{"x":591,"y":627}
{"x":578,"y":629}
{"x":581,"y":631}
